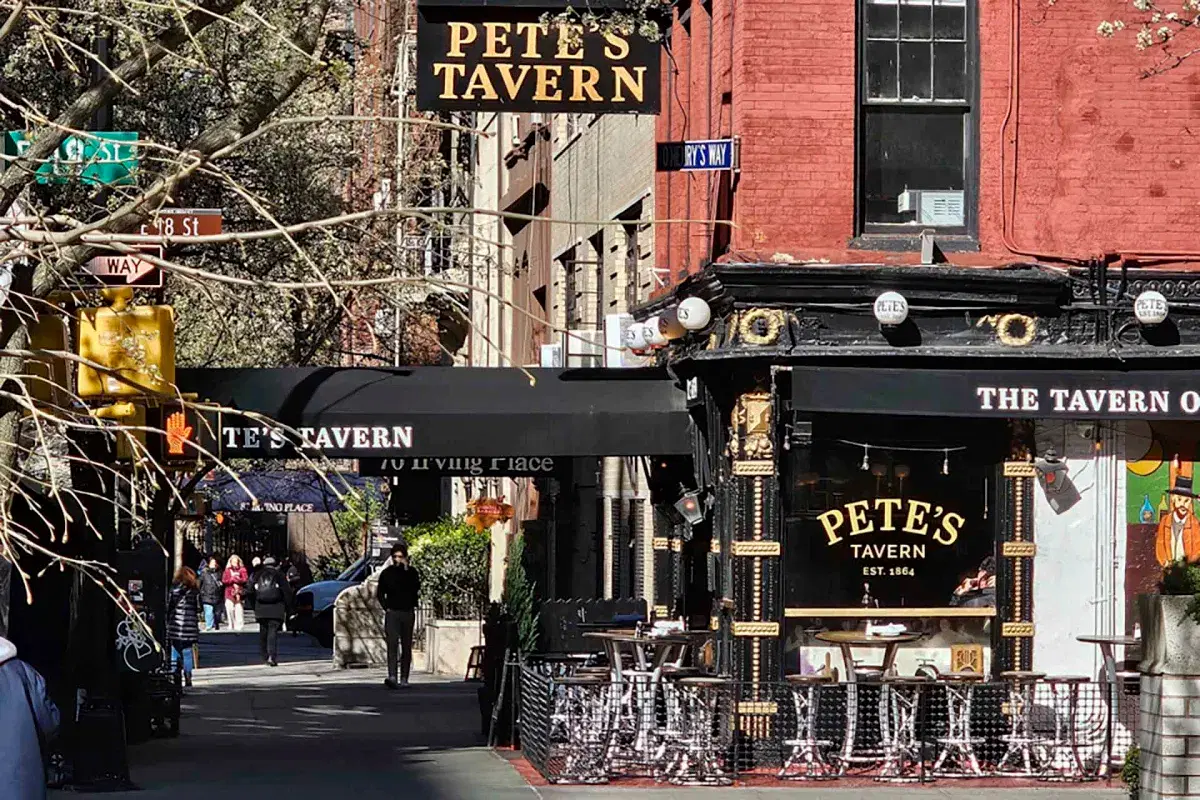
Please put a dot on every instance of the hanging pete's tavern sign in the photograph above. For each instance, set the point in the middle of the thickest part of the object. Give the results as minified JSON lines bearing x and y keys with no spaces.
{"x":495,"y":58}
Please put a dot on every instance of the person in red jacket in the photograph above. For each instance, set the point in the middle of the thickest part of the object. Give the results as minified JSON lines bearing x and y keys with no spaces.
{"x":235,"y":578}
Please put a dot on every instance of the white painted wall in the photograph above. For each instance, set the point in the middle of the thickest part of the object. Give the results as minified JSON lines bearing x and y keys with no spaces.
{"x":1080,"y":565}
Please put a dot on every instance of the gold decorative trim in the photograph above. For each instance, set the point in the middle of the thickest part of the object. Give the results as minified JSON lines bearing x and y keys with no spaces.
{"x":773,"y":319}
{"x":661,"y":611}
{"x":1019,"y":469}
{"x":754,"y":468}
{"x":1004,"y":323}
{"x":714,"y":546}
{"x":889,"y":613}
{"x":756,"y":548}
{"x":714,"y":623}
{"x":761,"y":629}
{"x":760,"y":708}
{"x":659,"y":543}
{"x":1018,"y":549}
{"x":1017,"y":629}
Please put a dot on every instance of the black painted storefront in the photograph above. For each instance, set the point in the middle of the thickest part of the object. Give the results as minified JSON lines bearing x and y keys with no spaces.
{"x":914,"y":443}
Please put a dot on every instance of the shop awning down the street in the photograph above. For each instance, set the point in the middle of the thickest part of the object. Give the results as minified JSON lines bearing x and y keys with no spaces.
{"x":444,"y":411}
{"x":280,"y":491}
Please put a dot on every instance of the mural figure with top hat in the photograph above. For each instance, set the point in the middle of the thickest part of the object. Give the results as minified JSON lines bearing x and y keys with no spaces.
{"x":1179,"y":531}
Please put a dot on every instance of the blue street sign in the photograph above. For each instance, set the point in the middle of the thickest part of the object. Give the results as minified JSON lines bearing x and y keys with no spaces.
{"x":708,"y":154}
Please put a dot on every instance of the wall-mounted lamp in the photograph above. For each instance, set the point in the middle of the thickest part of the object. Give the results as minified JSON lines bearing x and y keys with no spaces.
{"x":1151,"y":308}
{"x":690,"y":508}
{"x":891,"y":309}
{"x":693,"y":313}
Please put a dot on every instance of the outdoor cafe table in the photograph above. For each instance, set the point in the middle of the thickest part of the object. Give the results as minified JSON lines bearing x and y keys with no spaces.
{"x":650,"y":653}
{"x":1112,"y":698}
{"x":846,"y":642}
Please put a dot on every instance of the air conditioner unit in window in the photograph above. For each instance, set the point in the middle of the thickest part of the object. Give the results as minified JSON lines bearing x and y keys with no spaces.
{"x":583,"y":348}
{"x":941,"y":207}
{"x":552,"y":356}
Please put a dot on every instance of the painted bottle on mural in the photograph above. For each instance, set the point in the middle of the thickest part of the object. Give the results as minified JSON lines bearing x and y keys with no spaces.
{"x":1147,"y":512}
{"x":1164,"y":507}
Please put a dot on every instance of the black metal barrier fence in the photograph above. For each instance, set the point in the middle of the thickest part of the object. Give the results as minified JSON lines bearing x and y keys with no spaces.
{"x":582,"y":727}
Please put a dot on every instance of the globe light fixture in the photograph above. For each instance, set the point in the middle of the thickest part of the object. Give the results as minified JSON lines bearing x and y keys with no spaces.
{"x":654,"y":334}
{"x":693,"y":313}
{"x":891,"y":309}
{"x":1151,"y":308}
{"x":637,"y":337}
{"x":669,"y":324}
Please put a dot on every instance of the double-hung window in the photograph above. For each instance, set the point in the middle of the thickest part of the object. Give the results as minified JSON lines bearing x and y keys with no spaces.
{"x":917,"y":116}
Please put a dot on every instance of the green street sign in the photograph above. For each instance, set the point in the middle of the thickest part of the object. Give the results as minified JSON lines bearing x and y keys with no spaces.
{"x":106,"y":158}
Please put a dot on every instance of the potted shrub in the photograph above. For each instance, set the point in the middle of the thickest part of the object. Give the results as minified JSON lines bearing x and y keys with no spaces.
{"x":1171,"y":622}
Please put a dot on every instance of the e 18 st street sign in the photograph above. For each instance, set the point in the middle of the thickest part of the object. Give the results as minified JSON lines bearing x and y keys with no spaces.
{"x":130,"y":269}
{"x":698,"y":156}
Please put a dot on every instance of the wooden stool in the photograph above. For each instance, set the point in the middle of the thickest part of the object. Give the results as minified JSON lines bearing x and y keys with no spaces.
{"x":475,"y":664}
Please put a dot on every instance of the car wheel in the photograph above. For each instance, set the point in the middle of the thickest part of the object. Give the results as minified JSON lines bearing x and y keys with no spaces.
{"x":322,"y":628}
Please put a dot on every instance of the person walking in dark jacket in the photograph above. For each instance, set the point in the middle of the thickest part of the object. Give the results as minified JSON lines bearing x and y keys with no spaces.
{"x":183,"y":620}
{"x":28,"y":720}
{"x":272,"y":599}
{"x":212,"y":592}
{"x":398,"y":590}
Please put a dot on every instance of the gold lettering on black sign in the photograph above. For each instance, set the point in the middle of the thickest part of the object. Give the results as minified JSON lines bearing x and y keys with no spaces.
{"x":512,"y":64}
{"x":884,"y":513}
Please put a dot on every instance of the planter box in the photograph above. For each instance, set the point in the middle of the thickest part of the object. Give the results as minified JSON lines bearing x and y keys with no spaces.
{"x":1170,"y":639}
{"x":448,"y":645}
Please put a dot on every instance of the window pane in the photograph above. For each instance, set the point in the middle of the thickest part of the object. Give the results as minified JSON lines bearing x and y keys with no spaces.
{"x":949,"y":71}
{"x":915,"y":71}
{"x":948,"y":22}
{"x":881,"y":70}
{"x":915,"y":21}
{"x":917,"y":151}
{"x":881,"y":20}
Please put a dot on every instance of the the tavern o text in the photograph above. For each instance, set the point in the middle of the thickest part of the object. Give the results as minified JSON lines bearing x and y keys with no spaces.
{"x":1086,"y":401}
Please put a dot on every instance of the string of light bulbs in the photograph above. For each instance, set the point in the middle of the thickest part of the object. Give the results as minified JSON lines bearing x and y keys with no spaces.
{"x":867,"y":447}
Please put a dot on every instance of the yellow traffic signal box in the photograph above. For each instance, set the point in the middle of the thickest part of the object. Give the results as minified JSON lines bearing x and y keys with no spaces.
{"x":136,"y":343}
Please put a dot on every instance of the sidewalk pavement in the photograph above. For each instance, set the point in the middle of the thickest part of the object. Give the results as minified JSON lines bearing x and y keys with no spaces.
{"x":305,"y":731}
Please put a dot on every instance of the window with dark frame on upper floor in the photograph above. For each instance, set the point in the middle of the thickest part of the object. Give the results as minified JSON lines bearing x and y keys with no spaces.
{"x":917,"y":116}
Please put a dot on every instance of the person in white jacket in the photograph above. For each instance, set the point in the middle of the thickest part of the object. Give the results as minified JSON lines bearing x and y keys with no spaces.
{"x":28,"y":720}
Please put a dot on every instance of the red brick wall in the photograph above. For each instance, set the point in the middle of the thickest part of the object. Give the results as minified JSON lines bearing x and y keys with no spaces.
{"x":1107,"y":162}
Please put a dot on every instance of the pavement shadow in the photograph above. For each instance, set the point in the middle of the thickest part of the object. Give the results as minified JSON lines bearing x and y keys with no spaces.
{"x":307,"y":731}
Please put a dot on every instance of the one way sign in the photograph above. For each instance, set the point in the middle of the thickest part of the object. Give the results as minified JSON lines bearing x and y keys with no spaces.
{"x":125,"y":270}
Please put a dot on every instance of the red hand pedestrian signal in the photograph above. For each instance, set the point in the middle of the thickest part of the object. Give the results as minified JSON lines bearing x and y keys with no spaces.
{"x":178,"y":432}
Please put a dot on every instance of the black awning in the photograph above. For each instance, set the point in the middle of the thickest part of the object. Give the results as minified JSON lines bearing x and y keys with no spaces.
{"x":1003,"y":393}
{"x":446,"y":411}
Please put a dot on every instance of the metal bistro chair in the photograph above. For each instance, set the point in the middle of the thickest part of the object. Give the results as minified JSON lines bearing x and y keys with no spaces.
{"x":1064,"y":690}
{"x":898,"y":708}
{"x":957,"y":758}
{"x":581,"y":705}
{"x":1026,"y":752}
{"x":695,"y":760}
{"x":807,"y":761}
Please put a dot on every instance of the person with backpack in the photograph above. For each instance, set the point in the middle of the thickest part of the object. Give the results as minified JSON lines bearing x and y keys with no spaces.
{"x":235,"y":578}
{"x":28,"y":721}
{"x":211,"y":593}
{"x":272,"y":599}
{"x":398,"y":591}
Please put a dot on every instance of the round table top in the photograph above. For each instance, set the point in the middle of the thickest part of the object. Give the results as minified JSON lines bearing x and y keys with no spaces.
{"x":862,"y":639}
{"x":633,"y":638}
{"x":1098,"y":638}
